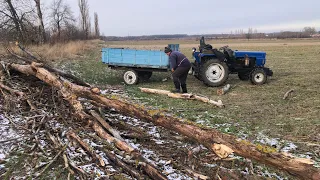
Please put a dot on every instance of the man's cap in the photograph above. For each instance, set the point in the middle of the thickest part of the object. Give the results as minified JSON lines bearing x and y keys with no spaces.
{"x":167,"y":49}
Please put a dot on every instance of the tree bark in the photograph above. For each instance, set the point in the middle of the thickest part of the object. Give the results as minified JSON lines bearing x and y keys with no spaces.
{"x":42,"y":32}
{"x":207,"y":137}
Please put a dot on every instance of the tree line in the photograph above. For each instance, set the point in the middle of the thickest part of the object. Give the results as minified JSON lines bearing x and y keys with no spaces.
{"x":28,"y":21}
{"x":306,"y":32}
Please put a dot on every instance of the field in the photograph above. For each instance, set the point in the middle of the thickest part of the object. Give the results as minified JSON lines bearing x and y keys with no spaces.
{"x":258,"y":114}
{"x":249,"y":110}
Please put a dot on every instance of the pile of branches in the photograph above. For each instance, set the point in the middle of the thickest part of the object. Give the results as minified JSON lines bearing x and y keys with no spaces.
{"x":78,"y":110}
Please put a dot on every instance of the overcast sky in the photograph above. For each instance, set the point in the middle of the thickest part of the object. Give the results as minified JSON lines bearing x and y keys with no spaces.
{"x":149,"y":17}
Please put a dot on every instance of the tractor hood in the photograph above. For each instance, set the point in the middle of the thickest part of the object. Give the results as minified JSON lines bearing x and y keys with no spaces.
{"x":259,"y":55}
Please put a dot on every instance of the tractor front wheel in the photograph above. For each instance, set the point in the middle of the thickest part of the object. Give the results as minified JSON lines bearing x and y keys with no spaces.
{"x":131,"y":77}
{"x":214,"y":72}
{"x":258,"y":76}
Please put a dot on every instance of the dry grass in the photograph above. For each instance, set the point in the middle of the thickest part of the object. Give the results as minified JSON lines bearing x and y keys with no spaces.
{"x":59,"y":51}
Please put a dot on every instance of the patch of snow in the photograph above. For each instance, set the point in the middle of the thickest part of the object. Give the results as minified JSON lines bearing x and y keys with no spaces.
{"x":266,"y":173}
{"x":158,"y":141}
{"x":135,"y":146}
{"x":92,"y":169}
{"x":210,"y":165}
{"x":2,"y":156}
{"x":153,"y":131}
{"x":267,"y":140}
{"x":104,"y":91}
{"x":289,"y":147}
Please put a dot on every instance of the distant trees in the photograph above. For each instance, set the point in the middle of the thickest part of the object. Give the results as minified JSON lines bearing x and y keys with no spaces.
{"x":26,"y":21}
{"x":249,"y":33}
{"x":309,"y":30}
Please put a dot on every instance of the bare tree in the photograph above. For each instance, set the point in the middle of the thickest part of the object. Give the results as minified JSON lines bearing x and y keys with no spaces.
{"x":85,"y":18}
{"x":17,"y":19}
{"x":61,"y":15}
{"x":96,"y":25}
{"x":249,"y":34}
{"x":42,"y":32}
{"x":9,"y":11}
{"x":309,"y":31}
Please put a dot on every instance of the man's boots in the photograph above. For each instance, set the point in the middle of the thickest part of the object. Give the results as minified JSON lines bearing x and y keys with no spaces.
{"x":184,"y":88}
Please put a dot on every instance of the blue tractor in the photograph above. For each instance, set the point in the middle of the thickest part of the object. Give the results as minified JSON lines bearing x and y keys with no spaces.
{"x":213,"y":66}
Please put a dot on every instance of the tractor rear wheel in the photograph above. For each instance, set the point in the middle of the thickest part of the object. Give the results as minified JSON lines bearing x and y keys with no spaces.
{"x":130,"y":77}
{"x":258,"y":76}
{"x":214,"y":72}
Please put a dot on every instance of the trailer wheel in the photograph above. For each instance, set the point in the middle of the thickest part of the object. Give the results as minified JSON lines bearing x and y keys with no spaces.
{"x":130,"y":77}
{"x":214,"y":72}
{"x":144,"y":75}
{"x":258,"y":76}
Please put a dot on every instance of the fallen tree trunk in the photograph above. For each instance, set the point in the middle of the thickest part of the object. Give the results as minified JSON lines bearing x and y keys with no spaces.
{"x":208,"y":137}
{"x":183,"y":96}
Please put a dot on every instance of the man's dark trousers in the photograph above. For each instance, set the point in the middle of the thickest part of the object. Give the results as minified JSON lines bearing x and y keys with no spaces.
{"x":179,"y":78}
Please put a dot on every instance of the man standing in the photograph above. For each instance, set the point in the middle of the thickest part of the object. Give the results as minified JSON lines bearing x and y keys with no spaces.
{"x":180,"y":66}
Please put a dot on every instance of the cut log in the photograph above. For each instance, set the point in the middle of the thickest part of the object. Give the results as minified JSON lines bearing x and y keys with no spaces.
{"x":207,"y":137}
{"x":183,"y":96}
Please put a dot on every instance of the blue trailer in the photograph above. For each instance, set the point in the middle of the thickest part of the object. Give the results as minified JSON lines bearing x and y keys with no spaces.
{"x":139,"y":64}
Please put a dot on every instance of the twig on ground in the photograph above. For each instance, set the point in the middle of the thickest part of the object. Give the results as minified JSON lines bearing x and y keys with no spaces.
{"x":103,"y":122}
{"x":52,"y":161}
{"x":12,"y":91}
{"x":287,"y":94}
{"x":87,"y":147}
